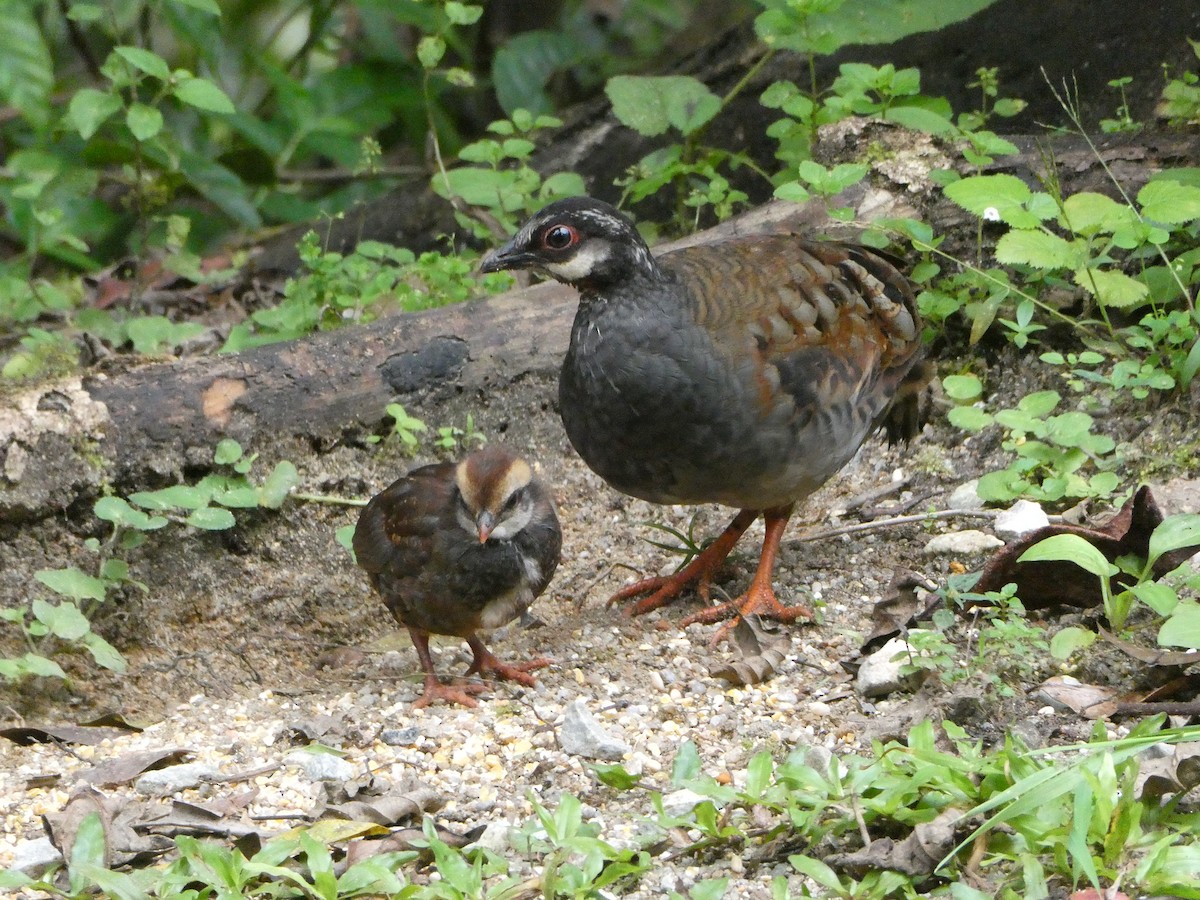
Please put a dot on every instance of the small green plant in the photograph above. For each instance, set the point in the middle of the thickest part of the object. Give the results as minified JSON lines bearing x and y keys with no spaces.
{"x":451,"y":438}
{"x":1054,"y":453}
{"x":1178,"y":616}
{"x":656,"y":105}
{"x":206,"y":505}
{"x":500,"y":179}
{"x":1123,"y":120}
{"x":358,"y":287}
{"x":405,"y":428}
{"x":1181,"y":96}
{"x":1004,"y":651}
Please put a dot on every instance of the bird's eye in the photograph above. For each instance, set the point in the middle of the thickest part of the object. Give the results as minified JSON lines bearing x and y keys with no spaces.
{"x":559,"y":237}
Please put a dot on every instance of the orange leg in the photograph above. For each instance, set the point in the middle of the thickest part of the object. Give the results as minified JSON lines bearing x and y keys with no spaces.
{"x":435,"y":690}
{"x":760,"y":597}
{"x":486,"y":662}
{"x":665,"y":588}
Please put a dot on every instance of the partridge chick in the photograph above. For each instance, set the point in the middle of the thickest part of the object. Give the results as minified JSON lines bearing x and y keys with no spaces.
{"x":744,"y":373}
{"x":459,"y":548}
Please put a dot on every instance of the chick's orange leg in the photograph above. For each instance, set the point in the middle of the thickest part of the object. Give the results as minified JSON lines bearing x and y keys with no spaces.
{"x":662,"y":589}
{"x":486,"y":663}
{"x":759,"y":598}
{"x":435,"y":690}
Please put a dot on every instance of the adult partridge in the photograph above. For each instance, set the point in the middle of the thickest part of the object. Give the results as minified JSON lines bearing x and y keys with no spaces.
{"x":744,"y":373}
{"x":456,"y":549}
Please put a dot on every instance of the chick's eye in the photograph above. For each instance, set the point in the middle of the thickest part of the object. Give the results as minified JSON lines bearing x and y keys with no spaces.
{"x":559,"y":237}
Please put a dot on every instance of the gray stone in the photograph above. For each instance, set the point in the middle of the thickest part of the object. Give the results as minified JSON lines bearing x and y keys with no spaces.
{"x":879,"y":674}
{"x":401,"y":737}
{"x":164,"y":782}
{"x":1021,"y":518}
{"x":34,"y":857}
{"x":681,"y":802}
{"x":320,"y":766}
{"x":581,"y":735}
{"x":967,"y":542}
{"x":965,"y":496}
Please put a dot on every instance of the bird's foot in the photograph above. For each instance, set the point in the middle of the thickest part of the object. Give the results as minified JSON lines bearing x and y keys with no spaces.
{"x":487,"y":663}
{"x":460,"y":693}
{"x":662,"y":589}
{"x":759,"y":601}
{"x":665,"y":588}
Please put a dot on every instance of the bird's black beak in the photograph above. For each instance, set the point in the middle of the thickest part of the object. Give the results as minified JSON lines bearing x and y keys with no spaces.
{"x":509,"y":256}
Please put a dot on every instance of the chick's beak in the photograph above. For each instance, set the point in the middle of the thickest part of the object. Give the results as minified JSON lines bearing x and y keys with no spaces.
{"x":508,"y":256}
{"x":486,"y":522}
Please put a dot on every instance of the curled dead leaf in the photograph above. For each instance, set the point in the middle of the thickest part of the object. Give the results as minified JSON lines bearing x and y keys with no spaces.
{"x":762,"y":653}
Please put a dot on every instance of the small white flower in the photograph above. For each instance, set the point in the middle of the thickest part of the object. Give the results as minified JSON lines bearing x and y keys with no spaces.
{"x":991,"y":214}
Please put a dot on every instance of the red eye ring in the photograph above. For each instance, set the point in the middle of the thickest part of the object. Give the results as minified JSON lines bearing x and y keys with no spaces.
{"x":559,"y":237}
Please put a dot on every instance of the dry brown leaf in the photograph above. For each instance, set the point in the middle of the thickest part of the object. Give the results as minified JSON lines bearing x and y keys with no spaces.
{"x":1149,"y":655}
{"x":67,"y":734}
{"x":900,"y":609}
{"x":918,"y":854}
{"x":762,"y":653}
{"x":1174,"y":774}
{"x":129,"y":766}
{"x":1053,"y":582}
{"x":1089,"y":700}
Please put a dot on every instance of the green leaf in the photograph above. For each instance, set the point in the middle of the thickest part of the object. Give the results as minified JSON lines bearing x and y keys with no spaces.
{"x":212,"y":518}
{"x":1003,"y":196}
{"x":72,"y":583}
{"x":1113,"y":289}
{"x":144,"y":122}
{"x":177,"y":496}
{"x":203,"y":94}
{"x":64,"y":620}
{"x":105,"y":654}
{"x":205,"y":6}
{"x":1159,"y":597}
{"x":27,"y":71}
{"x":1068,"y":640}
{"x":220,"y":186}
{"x":969,"y":418}
{"x":228,"y":451}
{"x":88,"y":850}
{"x":793,"y":26}
{"x":1182,"y":629}
{"x":1039,"y":249}
{"x":651,"y":105}
{"x":1071,"y":548}
{"x":35,"y":664}
{"x":119,"y":512}
{"x":345,"y":537}
{"x":1088,"y":213}
{"x":525,"y":63}
{"x":962,"y":388}
{"x":615,"y":775}
{"x":430,"y":50}
{"x":462,"y":13}
{"x":145,"y":61}
{"x":279,"y":484}
{"x":1170,"y":202}
{"x":90,"y":108}
{"x":686,"y":765}
{"x":1175,"y":533}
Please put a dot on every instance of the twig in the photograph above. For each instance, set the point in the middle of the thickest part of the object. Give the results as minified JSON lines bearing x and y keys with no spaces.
{"x":906,"y":520}
{"x":328,"y":498}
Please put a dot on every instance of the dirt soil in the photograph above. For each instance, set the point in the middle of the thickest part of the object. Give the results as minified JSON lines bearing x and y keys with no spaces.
{"x":248,"y":640}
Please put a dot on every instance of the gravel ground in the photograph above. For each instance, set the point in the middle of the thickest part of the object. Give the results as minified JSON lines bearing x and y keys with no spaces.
{"x":229,"y":649}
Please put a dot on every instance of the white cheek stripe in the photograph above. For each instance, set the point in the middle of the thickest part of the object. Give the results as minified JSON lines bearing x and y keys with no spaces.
{"x":582,"y":264}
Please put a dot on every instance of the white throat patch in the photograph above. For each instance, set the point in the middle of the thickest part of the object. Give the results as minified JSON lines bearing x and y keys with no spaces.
{"x":580,"y":266}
